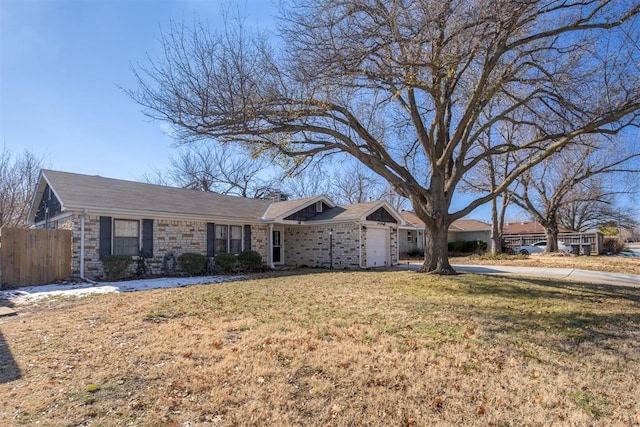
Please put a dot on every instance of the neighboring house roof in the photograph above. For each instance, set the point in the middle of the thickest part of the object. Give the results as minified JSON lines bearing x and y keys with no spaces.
{"x":93,"y":192}
{"x":458,"y":225}
{"x":528,"y":227}
{"x":470,"y":225}
{"x":412,"y":219}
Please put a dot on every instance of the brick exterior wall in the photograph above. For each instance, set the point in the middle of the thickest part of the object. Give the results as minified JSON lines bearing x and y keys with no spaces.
{"x":395,"y":237}
{"x":260,"y":240}
{"x":92,"y":264}
{"x":309,"y":246}
{"x":303,"y":245}
{"x":173,"y":236}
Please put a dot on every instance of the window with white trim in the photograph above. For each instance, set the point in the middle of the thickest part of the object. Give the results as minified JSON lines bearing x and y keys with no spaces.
{"x":126,"y":237}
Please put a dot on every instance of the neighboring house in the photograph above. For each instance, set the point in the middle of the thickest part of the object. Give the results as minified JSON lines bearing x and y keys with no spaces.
{"x":528,"y":232}
{"x":527,"y":227}
{"x":412,"y":239}
{"x":112,"y":216}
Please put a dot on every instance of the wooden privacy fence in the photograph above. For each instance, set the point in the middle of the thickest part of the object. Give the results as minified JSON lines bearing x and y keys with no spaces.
{"x":581,"y":243}
{"x":34,"y":256}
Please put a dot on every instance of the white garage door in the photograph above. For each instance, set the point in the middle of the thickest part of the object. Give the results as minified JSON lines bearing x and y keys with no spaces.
{"x":377,"y":247}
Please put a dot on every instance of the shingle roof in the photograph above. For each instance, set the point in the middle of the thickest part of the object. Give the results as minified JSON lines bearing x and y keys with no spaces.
{"x":527,"y":227}
{"x":77,"y":191}
{"x":280,"y":209}
{"x":470,"y":224}
{"x":108,"y":195}
{"x":349,"y":212}
{"x":458,"y":225}
{"x":412,"y":219}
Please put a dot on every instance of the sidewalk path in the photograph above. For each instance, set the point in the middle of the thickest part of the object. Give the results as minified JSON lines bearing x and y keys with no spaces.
{"x":595,"y":277}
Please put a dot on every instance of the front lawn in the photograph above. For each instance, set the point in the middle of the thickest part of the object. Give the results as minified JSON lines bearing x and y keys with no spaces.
{"x":321,"y":348}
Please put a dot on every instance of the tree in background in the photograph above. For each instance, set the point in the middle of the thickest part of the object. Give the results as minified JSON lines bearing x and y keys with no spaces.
{"x":309,"y":182}
{"x":18,"y":181}
{"x":403,"y":87}
{"x":592,"y":206}
{"x":570,"y":177}
{"x":489,"y":174}
{"x":355,"y":184}
{"x":218,"y":168}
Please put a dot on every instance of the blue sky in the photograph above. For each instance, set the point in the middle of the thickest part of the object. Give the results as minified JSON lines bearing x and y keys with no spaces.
{"x":62,"y":65}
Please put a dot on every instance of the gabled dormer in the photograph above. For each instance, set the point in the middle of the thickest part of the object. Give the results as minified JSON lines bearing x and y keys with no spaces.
{"x":299,"y":210}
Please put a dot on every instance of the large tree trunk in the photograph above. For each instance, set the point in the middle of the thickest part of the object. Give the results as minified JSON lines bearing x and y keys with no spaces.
{"x":436,"y":251}
{"x":496,"y":235}
{"x":551,"y":233}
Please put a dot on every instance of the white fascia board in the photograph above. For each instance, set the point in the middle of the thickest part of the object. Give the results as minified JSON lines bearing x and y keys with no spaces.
{"x":328,"y":222}
{"x":376,"y":224}
{"x":37,"y":196}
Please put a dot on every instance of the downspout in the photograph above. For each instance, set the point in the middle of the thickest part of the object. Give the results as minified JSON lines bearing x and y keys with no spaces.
{"x":360,"y":244}
{"x":81,"y":254}
{"x":397,"y":234}
{"x":270,"y":250}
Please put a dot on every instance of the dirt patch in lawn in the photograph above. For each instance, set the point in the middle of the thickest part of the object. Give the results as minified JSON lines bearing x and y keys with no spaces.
{"x":611,"y":264}
{"x":340,"y":348}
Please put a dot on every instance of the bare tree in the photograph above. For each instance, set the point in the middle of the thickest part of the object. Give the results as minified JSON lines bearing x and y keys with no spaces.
{"x":394,"y":198}
{"x":18,"y":181}
{"x":591,"y":205}
{"x":346,"y":184}
{"x":217,"y":168}
{"x":489,"y":174}
{"x":570,"y":177}
{"x":312,"y":181}
{"x":355,"y":185}
{"x":403,"y":88}
{"x":486,"y":178}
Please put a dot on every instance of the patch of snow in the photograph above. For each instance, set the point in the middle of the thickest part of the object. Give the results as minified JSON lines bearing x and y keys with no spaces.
{"x":629,"y":253}
{"x":34,"y":293}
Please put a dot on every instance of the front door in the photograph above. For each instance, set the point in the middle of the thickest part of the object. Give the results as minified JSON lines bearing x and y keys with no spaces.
{"x":277,"y":247}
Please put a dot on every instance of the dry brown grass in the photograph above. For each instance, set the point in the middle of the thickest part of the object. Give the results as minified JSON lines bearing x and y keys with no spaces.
{"x":342,"y":348}
{"x":612,"y":264}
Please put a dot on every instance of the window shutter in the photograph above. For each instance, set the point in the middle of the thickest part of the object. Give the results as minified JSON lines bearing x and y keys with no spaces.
{"x":211,"y":239}
{"x":247,"y":237}
{"x":147,"y":238}
{"x":105,"y":236}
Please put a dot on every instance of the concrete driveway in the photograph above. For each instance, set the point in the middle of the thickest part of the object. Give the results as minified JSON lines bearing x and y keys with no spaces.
{"x":569,"y":274}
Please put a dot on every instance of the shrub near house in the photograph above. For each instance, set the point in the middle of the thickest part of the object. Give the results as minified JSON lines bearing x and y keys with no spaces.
{"x":192,"y":263}
{"x":468,"y":246}
{"x":116,"y":266}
